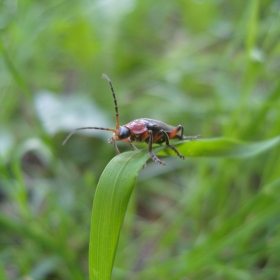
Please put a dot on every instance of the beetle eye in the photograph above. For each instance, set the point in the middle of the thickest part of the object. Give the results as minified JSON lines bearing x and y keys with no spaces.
{"x":123,"y":132}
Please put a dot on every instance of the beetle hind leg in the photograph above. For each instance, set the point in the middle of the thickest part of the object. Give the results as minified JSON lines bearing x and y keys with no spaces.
{"x":175,"y":132}
{"x":180,"y":128}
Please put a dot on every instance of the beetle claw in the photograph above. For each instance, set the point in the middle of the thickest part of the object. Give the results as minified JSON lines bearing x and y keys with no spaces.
{"x":155,"y":158}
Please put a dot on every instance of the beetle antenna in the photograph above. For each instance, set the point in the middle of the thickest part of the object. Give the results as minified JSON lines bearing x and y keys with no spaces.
{"x":115,"y":100}
{"x":81,"y":128}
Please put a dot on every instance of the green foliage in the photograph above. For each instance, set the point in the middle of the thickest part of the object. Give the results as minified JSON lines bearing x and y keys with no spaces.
{"x":211,"y":66}
{"x":110,"y":203}
{"x":113,"y":194}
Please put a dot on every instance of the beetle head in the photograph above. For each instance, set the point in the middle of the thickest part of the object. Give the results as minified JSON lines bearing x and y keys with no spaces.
{"x":121,"y":134}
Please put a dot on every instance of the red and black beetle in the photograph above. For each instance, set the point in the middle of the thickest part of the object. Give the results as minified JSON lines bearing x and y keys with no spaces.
{"x":141,"y":130}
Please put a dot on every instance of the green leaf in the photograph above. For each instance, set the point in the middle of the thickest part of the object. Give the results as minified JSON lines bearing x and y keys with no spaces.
{"x":221,"y":147}
{"x":110,"y":202}
{"x":116,"y":184}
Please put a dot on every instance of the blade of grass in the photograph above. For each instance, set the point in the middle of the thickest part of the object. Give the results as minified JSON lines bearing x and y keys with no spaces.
{"x":110,"y":202}
{"x":116,"y":184}
{"x":221,"y":147}
{"x":23,"y":85}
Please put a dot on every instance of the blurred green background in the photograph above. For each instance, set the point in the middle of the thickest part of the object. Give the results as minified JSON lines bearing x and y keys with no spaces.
{"x":212,"y":66}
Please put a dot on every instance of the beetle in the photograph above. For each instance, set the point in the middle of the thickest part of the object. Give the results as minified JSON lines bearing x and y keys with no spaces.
{"x":141,"y":130}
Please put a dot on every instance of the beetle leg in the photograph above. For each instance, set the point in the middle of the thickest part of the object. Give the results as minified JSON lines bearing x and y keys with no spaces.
{"x":182,"y":132}
{"x":169,"y":145}
{"x":150,"y":149}
{"x":175,"y":132}
{"x":181,"y":137}
{"x":134,"y":148}
{"x":116,"y":148}
{"x":157,"y":137}
{"x":187,"y":137}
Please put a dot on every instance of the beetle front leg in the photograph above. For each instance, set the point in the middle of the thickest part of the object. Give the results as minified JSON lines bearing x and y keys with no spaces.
{"x":135,"y":149}
{"x":150,"y":149}
{"x":166,"y":138}
{"x":116,"y":148}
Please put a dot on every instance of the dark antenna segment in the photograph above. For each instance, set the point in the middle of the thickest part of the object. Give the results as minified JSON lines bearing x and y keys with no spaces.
{"x":115,"y":100}
{"x":101,"y":128}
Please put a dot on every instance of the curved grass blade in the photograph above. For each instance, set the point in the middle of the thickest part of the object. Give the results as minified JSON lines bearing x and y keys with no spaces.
{"x":116,"y":184}
{"x":110,"y":202}
{"x":221,"y":147}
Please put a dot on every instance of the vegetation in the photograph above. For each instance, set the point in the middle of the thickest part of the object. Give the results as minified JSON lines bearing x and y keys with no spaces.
{"x":212,"y":66}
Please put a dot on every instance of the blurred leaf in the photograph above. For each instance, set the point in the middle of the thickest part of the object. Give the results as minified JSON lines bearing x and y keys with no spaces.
{"x":250,"y":218}
{"x":35,"y":231}
{"x":35,"y":145}
{"x":58,"y":113}
{"x":45,"y":267}
{"x":6,"y":144}
{"x":3,"y":274}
